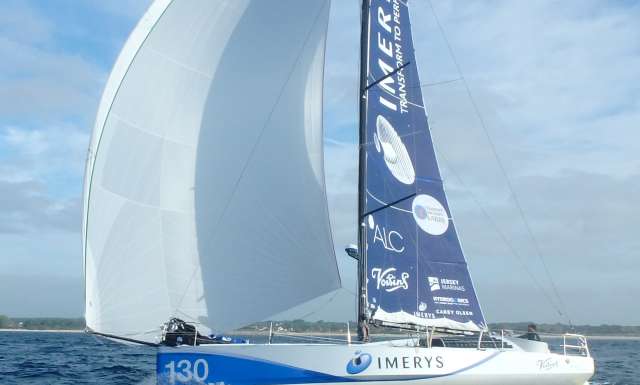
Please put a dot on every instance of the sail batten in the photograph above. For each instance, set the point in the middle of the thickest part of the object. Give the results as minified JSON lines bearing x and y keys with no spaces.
{"x":414,"y":268}
{"x":205,"y":195}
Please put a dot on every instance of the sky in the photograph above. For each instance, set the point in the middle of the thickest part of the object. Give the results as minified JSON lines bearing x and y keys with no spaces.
{"x":550,"y":181}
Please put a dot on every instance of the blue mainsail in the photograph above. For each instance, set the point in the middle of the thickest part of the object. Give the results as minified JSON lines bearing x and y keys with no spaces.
{"x":415,"y":269}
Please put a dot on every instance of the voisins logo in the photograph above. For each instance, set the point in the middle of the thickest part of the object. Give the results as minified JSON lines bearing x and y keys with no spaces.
{"x":388,"y":280}
{"x":359,"y":363}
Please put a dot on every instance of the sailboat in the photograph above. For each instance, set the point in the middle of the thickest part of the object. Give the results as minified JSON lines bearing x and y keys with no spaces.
{"x":205,"y":207}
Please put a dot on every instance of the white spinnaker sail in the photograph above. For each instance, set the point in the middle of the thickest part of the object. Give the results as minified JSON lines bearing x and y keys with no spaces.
{"x":204,"y":190}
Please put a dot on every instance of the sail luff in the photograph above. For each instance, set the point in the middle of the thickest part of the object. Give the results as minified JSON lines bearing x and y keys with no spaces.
{"x":121,"y":66}
{"x":362,"y":134}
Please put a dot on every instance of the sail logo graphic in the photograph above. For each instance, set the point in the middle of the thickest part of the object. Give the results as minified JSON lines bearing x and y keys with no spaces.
{"x":359,"y":363}
{"x":394,"y":152}
{"x":390,"y":56}
{"x":547,"y":364}
{"x":387,"y":279}
{"x":434,"y":283}
{"x":391,"y":240}
{"x":430,"y":214}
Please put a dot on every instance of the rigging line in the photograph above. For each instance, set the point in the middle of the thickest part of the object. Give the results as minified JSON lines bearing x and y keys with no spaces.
{"x":502,"y":236}
{"x":384,"y":203}
{"x":261,"y":133}
{"x":423,"y":85}
{"x":438,"y":83}
{"x":501,"y":165}
{"x":135,"y":341}
{"x":323,"y":305}
{"x":347,"y":290}
{"x":385,"y":77}
{"x":388,"y":205}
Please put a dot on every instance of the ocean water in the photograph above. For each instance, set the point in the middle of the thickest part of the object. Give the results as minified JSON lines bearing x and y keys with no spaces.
{"x":30,"y":358}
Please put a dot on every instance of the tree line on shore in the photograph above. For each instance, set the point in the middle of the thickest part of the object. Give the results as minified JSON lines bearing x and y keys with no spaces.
{"x":41,"y":323}
{"x":301,"y":326}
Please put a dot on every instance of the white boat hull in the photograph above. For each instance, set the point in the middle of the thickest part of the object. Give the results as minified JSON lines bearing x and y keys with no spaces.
{"x":366,"y":364}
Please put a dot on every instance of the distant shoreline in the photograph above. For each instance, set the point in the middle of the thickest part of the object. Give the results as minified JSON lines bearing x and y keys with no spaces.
{"x":628,"y":338}
{"x":319,"y":334}
{"x":44,"y":330}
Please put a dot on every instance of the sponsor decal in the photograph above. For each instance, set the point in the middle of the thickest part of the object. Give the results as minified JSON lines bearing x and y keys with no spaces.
{"x":391,"y":56}
{"x":359,"y":363}
{"x":394,"y":152}
{"x":459,"y":313}
{"x":387,"y":55}
{"x":422,"y":311}
{"x":388,"y":280}
{"x":443,"y":300}
{"x":410,"y":362}
{"x":425,"y":315}
{"x":451,"y":301}
{"x":547,"y":364}
{"x":436,"y":283}
{"x":391,"y":240}
{"x":430,"y":215}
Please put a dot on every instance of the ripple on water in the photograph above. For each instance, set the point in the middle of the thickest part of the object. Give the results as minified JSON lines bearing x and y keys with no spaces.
{"x":77,"y":358}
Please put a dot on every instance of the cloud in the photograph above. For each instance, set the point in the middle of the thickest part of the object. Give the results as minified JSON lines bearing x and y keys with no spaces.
{"x":342,"y":63}
{"x":39,"y":179}
{"x":55,"y":61}
{"x":19,"y":21}
{"x":50,"y":154}
{"x":558,"y":87}
{"x":586,"y":238}
{"x":133,"y":9}
{"x":341,"y":172}
{"x":38,"y":84}
{"x":26,"y":208}
{"x":47,"y":295}
{"x":558,"y":90}
{"x":552,"y":77}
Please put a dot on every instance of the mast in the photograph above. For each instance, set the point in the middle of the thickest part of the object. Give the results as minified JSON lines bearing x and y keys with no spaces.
{"x":362,"y":158}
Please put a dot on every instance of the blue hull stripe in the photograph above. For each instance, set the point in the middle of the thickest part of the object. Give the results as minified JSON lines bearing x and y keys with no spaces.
{"x":242,"y":370}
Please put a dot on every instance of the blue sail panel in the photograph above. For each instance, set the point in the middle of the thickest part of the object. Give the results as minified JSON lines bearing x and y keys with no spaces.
{"x":415,"y":265}
{"x":410,"y":240}
{"x":445,"y":291}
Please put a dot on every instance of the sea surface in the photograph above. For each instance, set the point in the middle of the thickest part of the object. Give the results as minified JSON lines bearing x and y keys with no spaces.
{"x":39,"y":358}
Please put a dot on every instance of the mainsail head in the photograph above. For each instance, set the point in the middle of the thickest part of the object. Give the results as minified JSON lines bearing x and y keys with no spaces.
{"x":414,"y":269}
{"x":204,"y":194}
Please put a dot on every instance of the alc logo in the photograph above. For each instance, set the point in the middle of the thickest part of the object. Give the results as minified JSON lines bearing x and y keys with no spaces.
{"x":387,"y":239}
{"x":391,"y":240}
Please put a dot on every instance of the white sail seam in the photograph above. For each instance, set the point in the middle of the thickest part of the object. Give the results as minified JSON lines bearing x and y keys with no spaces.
{"x":150,"y":133}
{"x":179,"y":63}
{"x":146,"y":205}
{"x":394,"y":96}
{"x":265,"y":125}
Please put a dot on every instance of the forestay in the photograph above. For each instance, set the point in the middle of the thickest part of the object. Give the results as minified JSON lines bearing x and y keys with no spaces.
{"x":204,"y":193}
{"x":415,"y":269}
